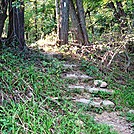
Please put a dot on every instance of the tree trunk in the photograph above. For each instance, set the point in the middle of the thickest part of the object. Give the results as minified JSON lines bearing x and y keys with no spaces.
{"x":64,"y":19}
{"x":76,"y":23}
{"x":3,"y":15}
{"x":16,"y":24}
{"x":119,"y":15}
{"x":57,"y":9}
{"x":81,"y":17}
{"x":35,"y":21}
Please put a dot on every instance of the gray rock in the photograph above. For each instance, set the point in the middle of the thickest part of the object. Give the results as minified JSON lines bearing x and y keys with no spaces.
{"x":76,"y":87}
{"x":77,"y":76}
{"x":69,"y":66}
{"x":93,"y":103}
{"x":83,"y":100}
{"x":107,"y":104}
{"x":96,"y":90}
{"x":100,"y":83}
{"x":92,"y":89}
{"x":96,"y":104}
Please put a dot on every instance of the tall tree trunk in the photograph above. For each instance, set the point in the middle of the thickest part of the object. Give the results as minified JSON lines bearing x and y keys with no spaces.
{"x":16,"y":24}
{"x":81,"y":17}
{"x":76,"y":23}
{"x":64,"y":19}
{"x":57,"y":9}
{"x":3,"y":15}
{"x":35,"y":21}
{"x":119,"y":15}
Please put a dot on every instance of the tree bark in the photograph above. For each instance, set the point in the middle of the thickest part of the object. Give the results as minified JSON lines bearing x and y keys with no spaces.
{"x":81,"y":17}
{"x":64,"y":20}
{"x":16,"y":24}
{"x":119,"y":15}
{"x":57,"y":9}
{"x":35,"y":21}
{"x":3,"y":15}
{"x":76,"y":23}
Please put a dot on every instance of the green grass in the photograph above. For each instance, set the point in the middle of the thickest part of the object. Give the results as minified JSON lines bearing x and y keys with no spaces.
{"x":124,"y":93}
{"x":47,"y":110}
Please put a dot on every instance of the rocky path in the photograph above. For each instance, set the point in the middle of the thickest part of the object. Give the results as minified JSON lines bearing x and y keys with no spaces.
{"x":88,"y":87}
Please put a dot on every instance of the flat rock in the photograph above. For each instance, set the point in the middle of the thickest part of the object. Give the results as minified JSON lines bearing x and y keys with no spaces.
{"x":76,"y":87}
{"x":107,"y":104}
{"x":92,"y":89}
{"x":96,"y":104}
{"x":77,"y":76}
{"x":83,"y":100}
{"x":100,"y":83}
{"x":96,"y":90}
{"x":93,"y":103}
{"x":50,"y":56}
{"x":69,"y":66}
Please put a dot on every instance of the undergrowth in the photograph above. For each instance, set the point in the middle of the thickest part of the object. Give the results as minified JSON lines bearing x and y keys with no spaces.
{"x":34,"y":100}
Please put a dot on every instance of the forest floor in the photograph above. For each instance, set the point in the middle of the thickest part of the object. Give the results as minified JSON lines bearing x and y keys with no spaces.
{"x":46,"y":90}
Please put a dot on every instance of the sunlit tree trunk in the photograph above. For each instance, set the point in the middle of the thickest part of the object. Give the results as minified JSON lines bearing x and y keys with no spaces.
{"x":64,"y":19}
{"x":76,"y":23}
{"x":81,"y":17}
{"x":35,"y":21}
{"x":57,"y":9}
{"x":3,"y":15}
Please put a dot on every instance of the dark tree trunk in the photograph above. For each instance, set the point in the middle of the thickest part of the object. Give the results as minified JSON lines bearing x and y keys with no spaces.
{"x":91,"y":24}
{"x":76,"y":23}
{"x":16,"y":24}
{"x":64,"y":19}
{"x":119,"y":15}
{"x":81,"y":17}
{"x":3,"y":15}
{"x":122,"y":16}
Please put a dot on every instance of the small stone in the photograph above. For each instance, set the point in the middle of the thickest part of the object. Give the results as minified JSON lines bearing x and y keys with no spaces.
{"x":100,"y":83}
{"x":30,"y":94}
{"x":107,"y":103}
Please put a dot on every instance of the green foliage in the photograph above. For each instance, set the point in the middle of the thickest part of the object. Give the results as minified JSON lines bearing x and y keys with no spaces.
{"x":130,"y":117}
{"x":45,"y":19}
{"x":89,"y":68}
{"x":39,"y":113}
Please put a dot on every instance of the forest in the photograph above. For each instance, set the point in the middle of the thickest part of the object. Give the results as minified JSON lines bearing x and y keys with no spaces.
{"x":66,"y":66}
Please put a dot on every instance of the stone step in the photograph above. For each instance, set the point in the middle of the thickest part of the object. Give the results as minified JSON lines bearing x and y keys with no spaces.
{"x":96,"y":102}
{"x":90,"y":89}
{"x":77,"y":76}
{"x":70,"y":66}
{"x":51,"y":56}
